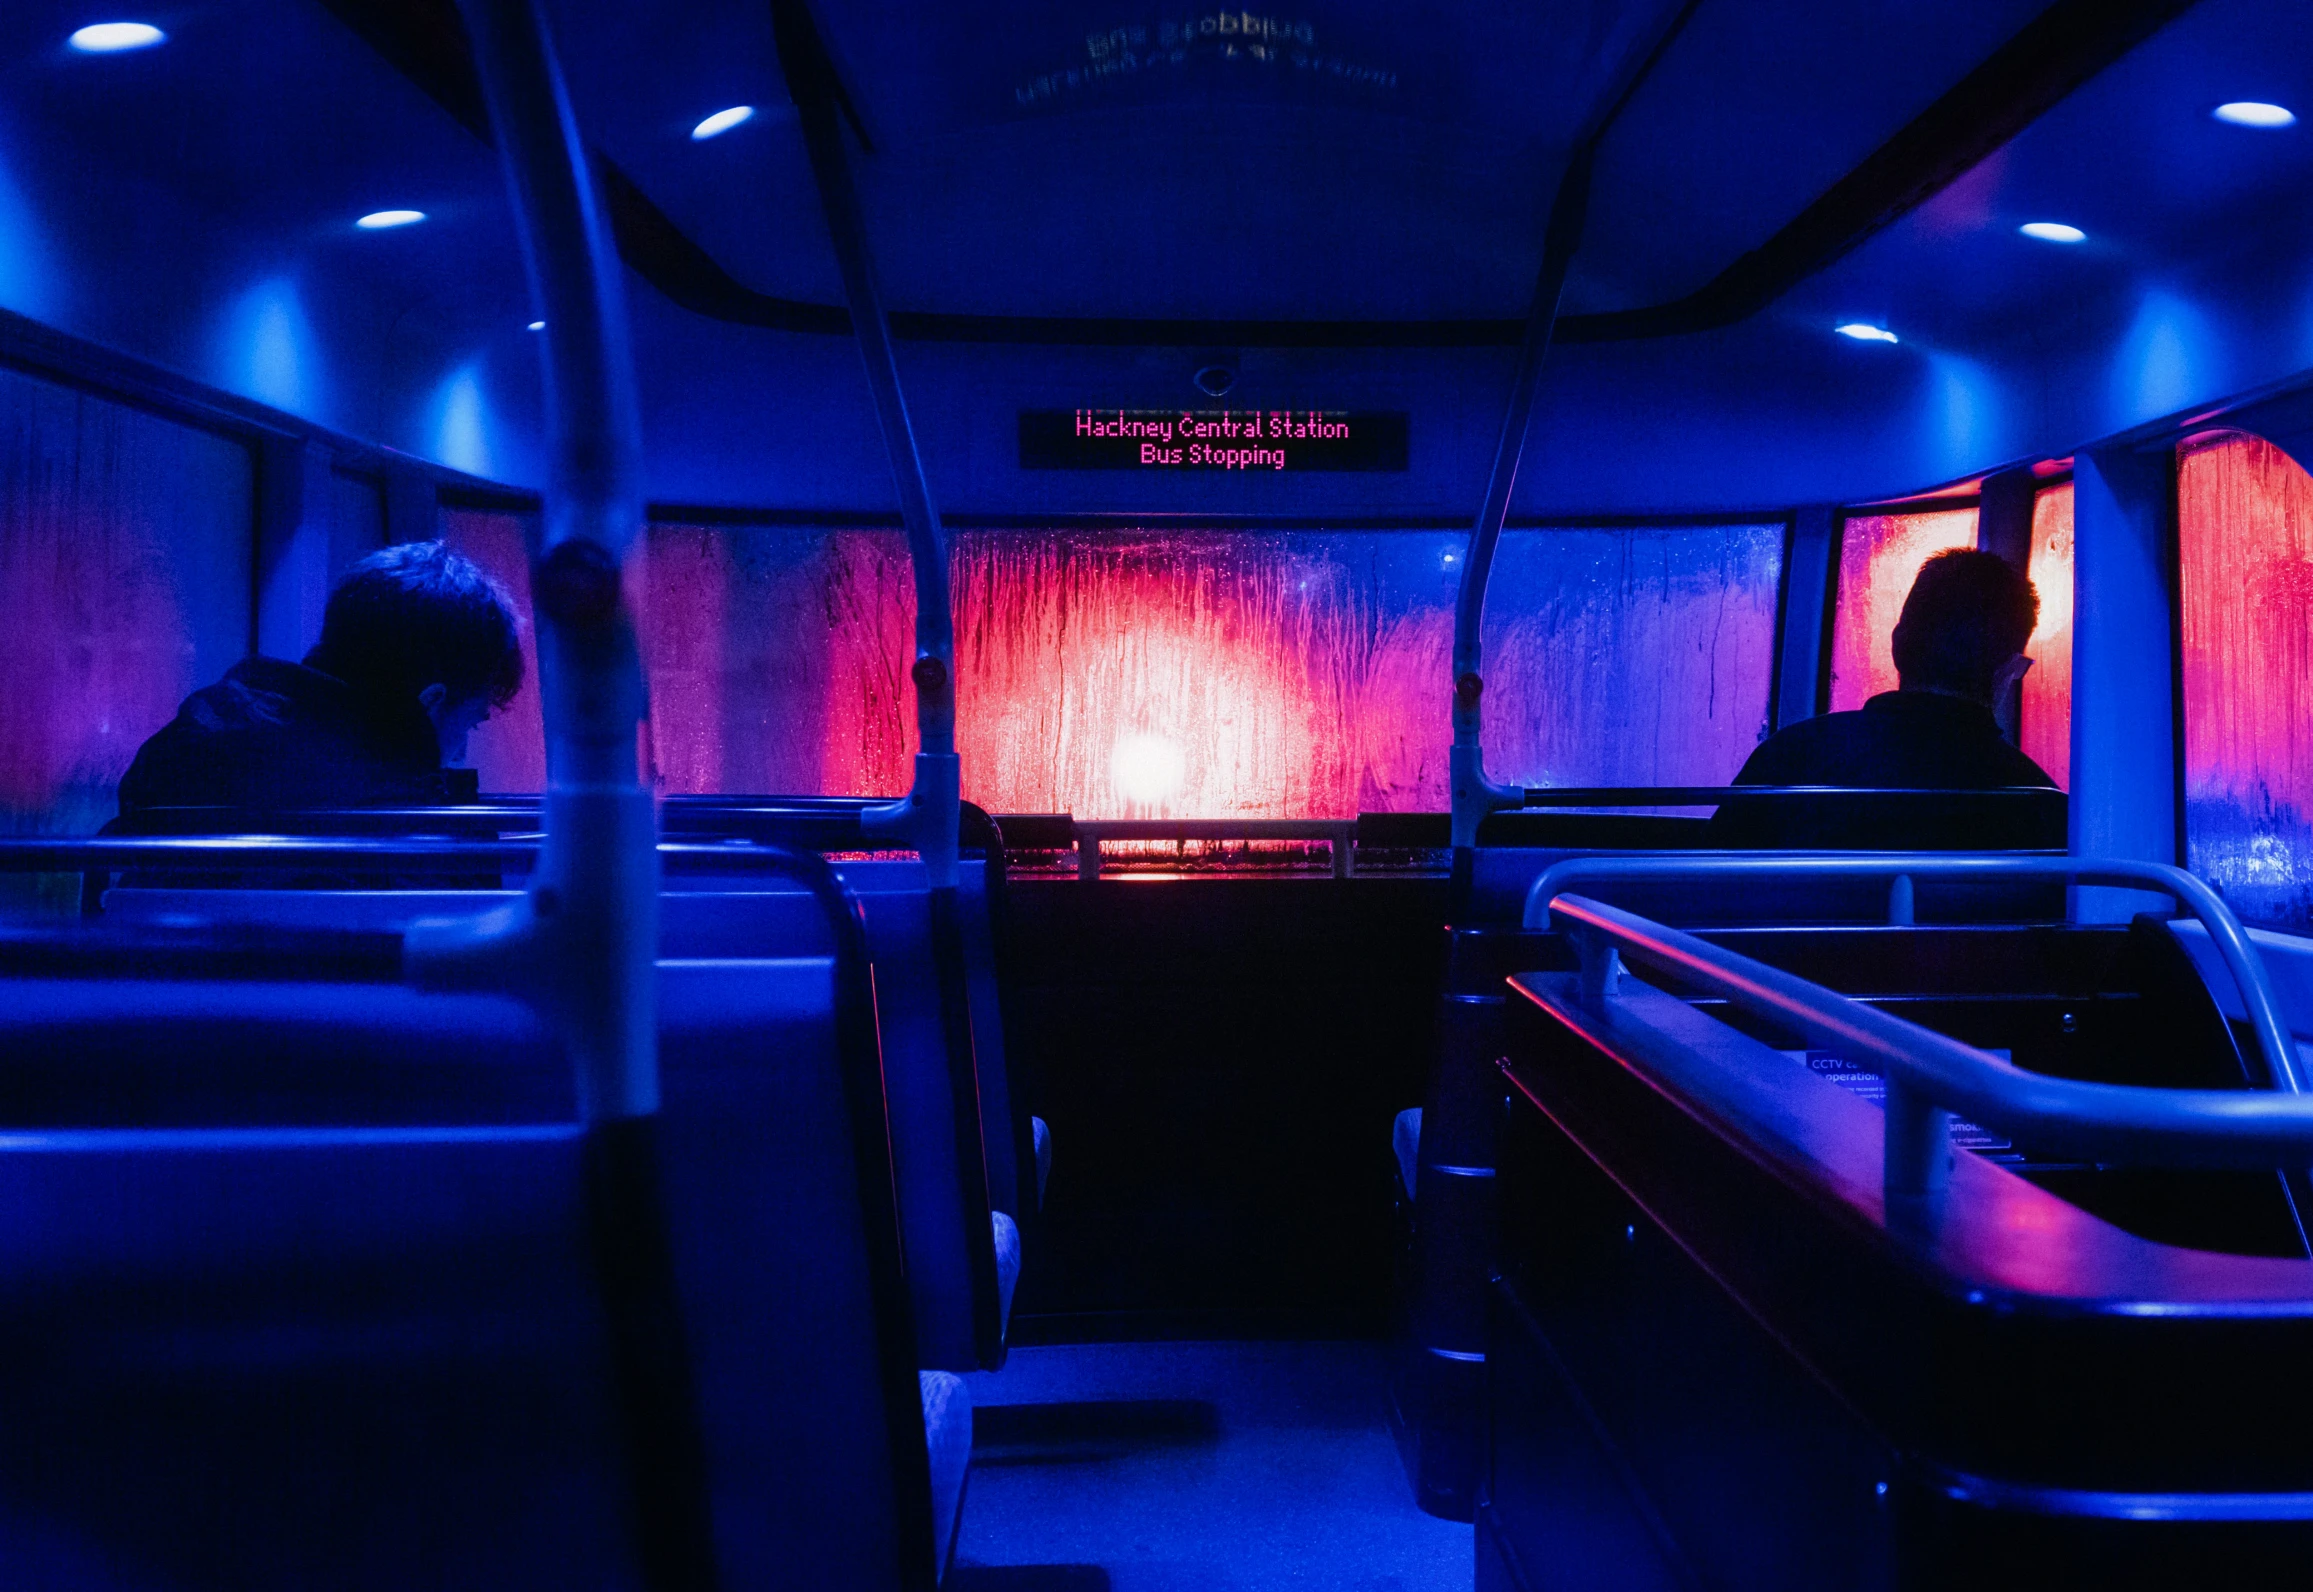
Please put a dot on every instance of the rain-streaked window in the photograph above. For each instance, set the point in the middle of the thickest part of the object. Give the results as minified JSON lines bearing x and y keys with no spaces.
{"x":1209,"y":673}
{"x":2245,"y":540}
{"x":1879,"y":558}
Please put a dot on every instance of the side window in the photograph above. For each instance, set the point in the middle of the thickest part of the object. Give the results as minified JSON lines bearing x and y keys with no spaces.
{"x":1630,"y":656}
{"x":124,"y":567}
{"x":509,"y":752}
{"x":1879,"y":558}
{"x":2245,"y":567}
{"x":2045,"y":732}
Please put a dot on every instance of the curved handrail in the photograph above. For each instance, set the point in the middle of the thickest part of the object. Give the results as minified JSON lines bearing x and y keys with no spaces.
{"x":363,"y":955}
{"x":2225,"y":931}
{"x":1928,"y":1074}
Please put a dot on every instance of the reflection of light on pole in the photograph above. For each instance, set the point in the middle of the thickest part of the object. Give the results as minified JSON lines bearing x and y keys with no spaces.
{"x":1146,"y":768}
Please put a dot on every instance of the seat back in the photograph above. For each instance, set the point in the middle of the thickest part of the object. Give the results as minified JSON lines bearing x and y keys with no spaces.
{"x":322,"y":1346}
{"x":955,"y":1141}
{"x":1501,"y":877}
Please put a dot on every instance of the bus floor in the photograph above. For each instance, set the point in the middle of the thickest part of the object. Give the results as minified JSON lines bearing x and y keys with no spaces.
{"x":1195,"y":1467}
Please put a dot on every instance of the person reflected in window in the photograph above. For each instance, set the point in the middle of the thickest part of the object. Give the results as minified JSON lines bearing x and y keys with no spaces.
{"x":1959,"y":649}
{"x":418,"y":648}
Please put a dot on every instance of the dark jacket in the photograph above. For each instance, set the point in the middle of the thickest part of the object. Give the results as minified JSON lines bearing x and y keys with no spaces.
{"x":1899,"y":740}
{"x":275,"y":735}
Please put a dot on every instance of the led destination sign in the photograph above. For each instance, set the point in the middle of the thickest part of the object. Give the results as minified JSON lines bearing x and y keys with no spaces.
{"x":1211,"y":439}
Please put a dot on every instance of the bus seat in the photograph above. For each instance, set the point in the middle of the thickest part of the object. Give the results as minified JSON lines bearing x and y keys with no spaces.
{"x":1881,"y":820}
{"x":949,"y":1242}
{"x":1009,"y":1145}
{"x":948,"y":1443}
{"x":1007,"y":1233}
{"x":357,"y":1353}
{"x":1405,"y":1139}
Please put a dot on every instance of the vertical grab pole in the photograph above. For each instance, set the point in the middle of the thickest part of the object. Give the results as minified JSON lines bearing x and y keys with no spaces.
{"x":584,"y":942}
{"x":1474,"y":795}
{"x":931,"y":816}
{"x":931,"y":812}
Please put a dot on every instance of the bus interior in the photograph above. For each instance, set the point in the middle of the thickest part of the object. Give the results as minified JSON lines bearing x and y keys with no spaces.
{"x":1020,"y":1003}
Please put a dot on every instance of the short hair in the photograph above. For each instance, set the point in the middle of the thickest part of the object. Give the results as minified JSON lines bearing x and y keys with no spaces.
{"x":1968,"y":613}
{"x":417,"y":615}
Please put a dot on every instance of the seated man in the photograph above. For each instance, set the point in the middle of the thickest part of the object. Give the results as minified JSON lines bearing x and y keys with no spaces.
{"x":1959,"y":648}
{"x":418,"y":647}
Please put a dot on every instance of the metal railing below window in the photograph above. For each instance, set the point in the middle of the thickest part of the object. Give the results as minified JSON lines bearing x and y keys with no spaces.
{"x":1339,"y":833}
{"x":1929,"y":1076}
{"x":1901,"y":869}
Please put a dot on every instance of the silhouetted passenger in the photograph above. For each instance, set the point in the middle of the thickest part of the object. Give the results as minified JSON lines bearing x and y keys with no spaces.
{"x":1959,"y":648}
{"x":418,"y":647}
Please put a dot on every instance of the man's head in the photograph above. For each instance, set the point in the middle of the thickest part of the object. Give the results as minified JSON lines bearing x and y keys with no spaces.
{"x":416,"y":625}
{"x":1964,"y":626}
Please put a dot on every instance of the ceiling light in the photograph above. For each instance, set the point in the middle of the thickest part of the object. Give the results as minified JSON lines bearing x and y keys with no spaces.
{"x":2052,"y":232}
{"x":538,"y":326}
{"x":379,"y":220}
{"x":108,"y":38}
{"x":2255,"y":113}
{"x":1864,"y":332}
{"x":723,"y":121}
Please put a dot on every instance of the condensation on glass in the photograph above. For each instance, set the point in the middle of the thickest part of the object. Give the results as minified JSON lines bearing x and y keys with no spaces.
{"x":1208,"y":674}
{"x":2045,"y":733}
{"x":2245,"y":543}
{"x":1879,"y":558}
{"x":509,"y":750}
{"x":125,"y":574}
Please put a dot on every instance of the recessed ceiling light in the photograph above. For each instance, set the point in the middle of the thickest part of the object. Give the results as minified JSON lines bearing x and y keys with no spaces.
{"x":538,"y":326}
{"x":2053,"y":232}
{"x":108,"y":38}
{"x":1865,"y":332}
{"x":379,"y":220}
{"x":723,"y":121}
{"x":2255,"y":113}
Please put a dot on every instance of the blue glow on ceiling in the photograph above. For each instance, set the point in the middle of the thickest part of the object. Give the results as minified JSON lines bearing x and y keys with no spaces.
{"x":723,"y":121}
{"x":460,"y":423}
{"x":28,"y":276}
{"x":110,"y":38}
{"x":380,"y":220}
{"x":270,"y":350}
{"x":1965,"y":413}
{"x":2053,"y":232}
{"x":2255,"y":113}
{"x":2165,"y":361}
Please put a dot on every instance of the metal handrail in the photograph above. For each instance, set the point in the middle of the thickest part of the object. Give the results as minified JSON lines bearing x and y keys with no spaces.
{"x":228,"y":854}
{"x":1900,"y":869}
{"x":1929,"y":1076}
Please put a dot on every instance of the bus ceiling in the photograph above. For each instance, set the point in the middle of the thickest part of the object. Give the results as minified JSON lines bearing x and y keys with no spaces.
{"x":1338,"y":210}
